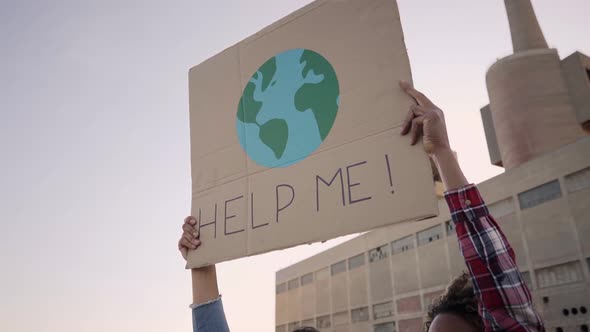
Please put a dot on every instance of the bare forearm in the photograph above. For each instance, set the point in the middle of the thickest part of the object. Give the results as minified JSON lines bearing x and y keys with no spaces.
{"x":204,"y":284}
{"x":449,"y":169}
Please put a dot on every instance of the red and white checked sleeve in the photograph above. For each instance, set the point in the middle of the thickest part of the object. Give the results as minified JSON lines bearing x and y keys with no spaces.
{"x":505,"y":302}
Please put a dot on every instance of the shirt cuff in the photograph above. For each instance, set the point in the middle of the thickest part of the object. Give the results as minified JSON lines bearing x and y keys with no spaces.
{"x":466,"y":203}
{"x":197,"y":305}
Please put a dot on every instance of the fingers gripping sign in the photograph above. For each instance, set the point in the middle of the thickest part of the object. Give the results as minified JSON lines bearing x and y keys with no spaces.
{"x":190,"y":237}
{"x":418,"y":96}
{"x":426,"y":120}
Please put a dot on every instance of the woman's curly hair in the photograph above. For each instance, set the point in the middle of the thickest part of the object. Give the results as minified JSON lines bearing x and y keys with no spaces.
{"x":306,"y":329}
{"x":459,"y":299}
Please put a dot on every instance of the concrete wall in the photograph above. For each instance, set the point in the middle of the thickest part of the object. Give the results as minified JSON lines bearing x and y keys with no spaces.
{"x":576,"y":70}
{"x":491,"y":139}
{"x":530,"y":106}
{"x":550,"y":240}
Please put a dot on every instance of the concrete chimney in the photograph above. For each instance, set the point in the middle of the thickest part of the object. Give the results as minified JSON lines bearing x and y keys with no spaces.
{"x":524,"y":27}
{"x":530,"y":106}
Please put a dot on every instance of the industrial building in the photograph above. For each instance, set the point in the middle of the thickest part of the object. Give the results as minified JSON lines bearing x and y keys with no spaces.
{"x":537,"y":127}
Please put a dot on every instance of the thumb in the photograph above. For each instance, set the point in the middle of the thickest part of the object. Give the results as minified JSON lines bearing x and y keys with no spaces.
{"x":184,"y":252}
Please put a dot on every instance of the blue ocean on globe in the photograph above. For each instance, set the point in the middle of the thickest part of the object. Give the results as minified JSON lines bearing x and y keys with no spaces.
{"x":274,"y":98}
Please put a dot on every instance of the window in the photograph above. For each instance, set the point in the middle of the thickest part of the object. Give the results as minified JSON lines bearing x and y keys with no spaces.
{"x":402,"y":245}
{"x":450,"y":227}
{"x":378,"y":254}
{"x":294,"y":283}
{"x":323,"y":322}
{"x":356,"y":261}
{"x":502,"y":208}
{"x":341,"y":318}
{"x":429,"y":235}
{"x":578,"y":180}
{"x":322,"y":274}
{"x":338,"y":268}
{"x":306,"y":279}
{"x":281,"y":288}
{"x":559,"y":274}
{"x":526,"y":277}
{"x":383,"y":310}
{"x":359,"y":315}
{"x":293,"y":326}
{"x":281,"y":328}
{"x":308,"y":323}
{"x":385,"y":327}
{"x":539,"y":195}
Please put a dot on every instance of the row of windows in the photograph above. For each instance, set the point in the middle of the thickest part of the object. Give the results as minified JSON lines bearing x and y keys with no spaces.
{"x":409,"y":242}
{"x":357,"y":315}
{"x":398,"y":246}
{"x":383,"y":327}
{"x":552,"y":190}
{"x":539,"y":195}
{"x":559,"y":274}
{"x":543,"y":193}
{"x":556,"y":275}
{"x":546,"y":192}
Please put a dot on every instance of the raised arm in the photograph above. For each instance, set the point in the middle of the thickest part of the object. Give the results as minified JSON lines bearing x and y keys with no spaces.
{"x":505,"y":302}
{"x":207,"y":308}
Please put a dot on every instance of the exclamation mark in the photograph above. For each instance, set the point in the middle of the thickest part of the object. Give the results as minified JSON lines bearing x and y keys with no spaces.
{"x":389,"y":173}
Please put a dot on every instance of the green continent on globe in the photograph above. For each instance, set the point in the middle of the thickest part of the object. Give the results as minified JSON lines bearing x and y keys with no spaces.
{"x":268,"y":70}
{"x":287,"y":108}
{"x":320,"y":97}
{"x":248,"y":108}
{"x":275,"y":134}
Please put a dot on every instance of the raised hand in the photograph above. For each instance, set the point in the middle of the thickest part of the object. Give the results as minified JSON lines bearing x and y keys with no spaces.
{"x":190,"y":237}
{"x":425,"y":120}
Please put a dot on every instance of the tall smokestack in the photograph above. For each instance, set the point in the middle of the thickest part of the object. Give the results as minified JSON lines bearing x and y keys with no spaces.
{"x":524,"y":27}
{"x":530,"y":105}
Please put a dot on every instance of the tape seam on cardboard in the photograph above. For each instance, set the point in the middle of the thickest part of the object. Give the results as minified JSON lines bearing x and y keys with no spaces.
{"x":233,"y":178}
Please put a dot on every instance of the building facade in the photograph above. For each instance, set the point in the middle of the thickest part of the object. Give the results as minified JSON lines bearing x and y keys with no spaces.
{"x":384,"y":280}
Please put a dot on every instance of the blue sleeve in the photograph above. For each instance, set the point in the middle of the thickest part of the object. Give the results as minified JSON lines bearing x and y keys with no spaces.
{"x":210,"y":317}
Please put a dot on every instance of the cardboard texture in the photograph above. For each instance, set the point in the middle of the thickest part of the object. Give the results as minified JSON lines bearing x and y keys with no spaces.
{"x":295,"y":133}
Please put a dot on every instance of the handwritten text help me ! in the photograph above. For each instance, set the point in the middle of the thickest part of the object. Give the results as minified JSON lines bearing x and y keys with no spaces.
{"x":220,"y":215}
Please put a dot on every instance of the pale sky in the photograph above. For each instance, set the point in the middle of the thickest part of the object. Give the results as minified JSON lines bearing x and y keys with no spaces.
{"x":94,"y":147}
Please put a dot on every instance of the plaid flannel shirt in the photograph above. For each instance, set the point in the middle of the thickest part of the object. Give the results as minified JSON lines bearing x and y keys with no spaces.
{"x":505,"y":302}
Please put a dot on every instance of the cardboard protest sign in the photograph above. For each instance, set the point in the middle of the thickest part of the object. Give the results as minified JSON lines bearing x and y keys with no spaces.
{"x":295,"y":133}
